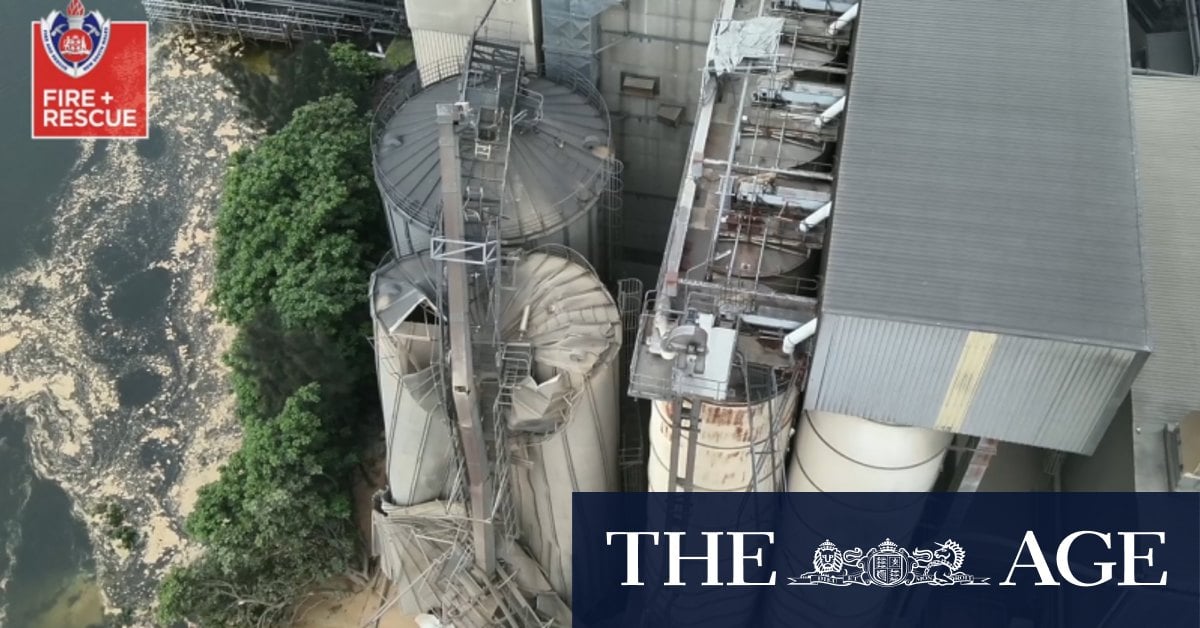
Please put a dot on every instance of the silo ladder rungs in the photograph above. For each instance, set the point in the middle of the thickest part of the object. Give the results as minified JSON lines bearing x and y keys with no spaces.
{"x":515,"y":361}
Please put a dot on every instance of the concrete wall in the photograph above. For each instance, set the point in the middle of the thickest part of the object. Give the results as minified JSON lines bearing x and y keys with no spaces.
{"x":515,"y":20}
{"x":666,"y":40}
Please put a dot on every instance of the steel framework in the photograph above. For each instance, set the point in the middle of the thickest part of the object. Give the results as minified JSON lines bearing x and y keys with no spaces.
{"x":283,"y":20}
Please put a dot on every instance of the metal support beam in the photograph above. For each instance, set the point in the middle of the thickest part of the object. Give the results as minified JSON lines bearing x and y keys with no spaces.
{"x":463,"y":393}
{"x":975,"y":464}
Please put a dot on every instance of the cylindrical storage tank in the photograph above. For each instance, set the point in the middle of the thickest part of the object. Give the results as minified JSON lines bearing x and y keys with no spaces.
{"x":844,"y":453}
{"x":740,"y":447}
{"x":835,"y":454}
{"x":416,"y":427}
{"x":563,"y":416}
{"x":559,"y":165}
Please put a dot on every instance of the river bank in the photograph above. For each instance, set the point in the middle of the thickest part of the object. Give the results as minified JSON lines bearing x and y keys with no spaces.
{"x":108,"y":348}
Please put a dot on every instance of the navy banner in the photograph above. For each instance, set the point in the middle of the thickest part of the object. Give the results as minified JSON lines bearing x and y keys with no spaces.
{"x":928,"y":560}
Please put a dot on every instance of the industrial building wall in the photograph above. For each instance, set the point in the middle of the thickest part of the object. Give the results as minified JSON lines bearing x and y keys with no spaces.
{"x":667,"y":41}
{"x":1034,"y":391}
{"x":1110,"y":468}
{"x":436,"y":52}
{"x":442,"y":28}
{"x":979,"y":186}
{"x":1168,"y":389}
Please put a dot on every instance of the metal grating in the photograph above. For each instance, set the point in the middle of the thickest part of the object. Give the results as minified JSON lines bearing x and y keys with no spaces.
{"x":283,"y":20}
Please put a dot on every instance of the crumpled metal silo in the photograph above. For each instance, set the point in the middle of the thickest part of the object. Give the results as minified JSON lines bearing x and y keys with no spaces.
{"x":563,"y":414}
{"x":419,"y":441}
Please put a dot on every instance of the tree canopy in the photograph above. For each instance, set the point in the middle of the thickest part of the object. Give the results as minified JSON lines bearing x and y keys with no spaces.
{"x":276,"y":523}
{"x":308,"y":72}
{"x":300,"y":224}
{"x":300,"y":229}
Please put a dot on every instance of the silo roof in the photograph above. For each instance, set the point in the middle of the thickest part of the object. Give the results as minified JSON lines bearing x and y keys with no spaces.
{"x":554,"y":170}
{"x":986,"y":178}
{"x":570,"y":323}
{"x":1166,"y":391}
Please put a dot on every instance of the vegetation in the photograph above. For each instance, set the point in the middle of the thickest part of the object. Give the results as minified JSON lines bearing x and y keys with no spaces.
{"x":306,"y":73}
{"x":115,"y":525}
{"x":276,"y":524}
{"x":299,"y":231}
{"x":300,"y":221}
{"x":399,"y":54}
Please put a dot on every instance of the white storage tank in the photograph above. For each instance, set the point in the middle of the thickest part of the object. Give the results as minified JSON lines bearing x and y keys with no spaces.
{"x":843,"y":453}
{"x":839,"y":453}
{"x":563,"y":417}
{"x":740,"y":448}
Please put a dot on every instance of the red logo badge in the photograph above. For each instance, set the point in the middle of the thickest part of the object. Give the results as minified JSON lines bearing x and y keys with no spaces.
{"x":89,"y":76}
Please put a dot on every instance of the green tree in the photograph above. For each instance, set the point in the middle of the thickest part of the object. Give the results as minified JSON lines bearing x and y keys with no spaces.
{"x":299,"y":231}
{"x":300,"y":225}
{"x":269,"y":364}
{"x":310,"y":71}
{"x":275,"y":524}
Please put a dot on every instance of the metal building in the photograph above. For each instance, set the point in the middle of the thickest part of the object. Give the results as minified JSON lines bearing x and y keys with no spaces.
{"x":1166,"y":398}
{"x":717,"y":349}
{"x":287,"y":20}
{"x":984,"y":265}
{"x":443,"y":29}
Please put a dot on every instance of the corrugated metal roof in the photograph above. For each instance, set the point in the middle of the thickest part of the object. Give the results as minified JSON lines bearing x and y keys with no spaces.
{"x":986,"y":176}
{"x":1169,"y":154}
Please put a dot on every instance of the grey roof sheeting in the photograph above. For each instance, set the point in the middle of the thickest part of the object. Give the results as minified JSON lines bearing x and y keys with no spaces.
{"x":1168,"y":387}
{"x":986,"y":176}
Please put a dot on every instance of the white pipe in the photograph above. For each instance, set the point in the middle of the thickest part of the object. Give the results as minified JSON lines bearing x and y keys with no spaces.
{"x":829,"y":114}
{"x":770,"y":321}
{"x":802,"y":333}
{"x":842,"y":21}
{"x":525,"y":321}
{"x":816,"y":218}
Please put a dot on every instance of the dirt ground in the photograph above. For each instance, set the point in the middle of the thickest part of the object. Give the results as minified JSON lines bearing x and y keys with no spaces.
{"x":358,"y":606}
{"x":353,"y":611}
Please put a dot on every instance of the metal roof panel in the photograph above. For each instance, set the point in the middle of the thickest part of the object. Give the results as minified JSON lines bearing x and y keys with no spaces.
{"x":986,"y":178}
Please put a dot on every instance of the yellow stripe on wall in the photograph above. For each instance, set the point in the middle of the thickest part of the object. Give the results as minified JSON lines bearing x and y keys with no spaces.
{"x":972,"y":363}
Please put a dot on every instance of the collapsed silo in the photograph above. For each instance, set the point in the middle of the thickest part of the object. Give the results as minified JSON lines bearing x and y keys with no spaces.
{"x":559,"y":168}
{"x":407,"y":337}
{"x":562,"y":415}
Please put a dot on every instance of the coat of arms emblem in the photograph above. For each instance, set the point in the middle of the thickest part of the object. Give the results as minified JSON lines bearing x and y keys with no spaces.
{"x":888,"y":565}
{"x":75,"y":41}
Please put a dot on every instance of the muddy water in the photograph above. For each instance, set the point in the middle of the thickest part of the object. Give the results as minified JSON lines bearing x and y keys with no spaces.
{"x":111,"y":389}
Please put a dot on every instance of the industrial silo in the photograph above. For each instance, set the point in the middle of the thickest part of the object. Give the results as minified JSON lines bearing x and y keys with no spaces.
{"x":726,"y":425}
{"x":562,"y":413}
{"x":839,"y":454}
{"x":407,"y":337}
{"x":558,"y":174}
{"x":740,"y":446}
